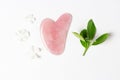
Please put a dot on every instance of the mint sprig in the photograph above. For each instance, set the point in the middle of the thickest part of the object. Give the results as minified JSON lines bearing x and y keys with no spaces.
{"x":86,"y":36}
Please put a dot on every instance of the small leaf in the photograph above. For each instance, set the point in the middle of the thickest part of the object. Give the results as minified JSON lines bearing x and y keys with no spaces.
{"x":101,"y":39}
{"x":83,"y":33}
{"x":84,"y":44}
{"x":78,"y":36}
{"x":91,"y":29}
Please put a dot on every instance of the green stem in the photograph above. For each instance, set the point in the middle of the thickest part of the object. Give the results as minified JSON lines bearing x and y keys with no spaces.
{"x":85,"y":51}
{"x":88,"y":45}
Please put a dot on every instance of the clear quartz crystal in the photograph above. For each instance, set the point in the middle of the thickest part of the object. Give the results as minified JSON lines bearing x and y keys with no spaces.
{"x":23,"y":34}
{"x":36,"y":51}
{"x":30,"y":18}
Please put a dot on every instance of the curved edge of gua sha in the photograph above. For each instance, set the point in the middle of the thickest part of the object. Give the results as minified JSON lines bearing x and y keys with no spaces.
{"x":54,"y":33}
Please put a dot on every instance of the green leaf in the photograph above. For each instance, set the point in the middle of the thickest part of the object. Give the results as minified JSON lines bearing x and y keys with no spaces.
{"x":91,"y":29}
{"x":84,"y":44}
{"x":78,"y":36}
{"x":83,"y":33}
{"x":101,"y":39}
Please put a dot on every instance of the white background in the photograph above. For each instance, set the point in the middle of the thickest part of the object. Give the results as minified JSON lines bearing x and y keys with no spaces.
{"x":101,"y":62}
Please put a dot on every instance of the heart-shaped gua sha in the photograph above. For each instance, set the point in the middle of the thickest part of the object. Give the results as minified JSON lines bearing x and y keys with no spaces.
{"x":54,"y":33}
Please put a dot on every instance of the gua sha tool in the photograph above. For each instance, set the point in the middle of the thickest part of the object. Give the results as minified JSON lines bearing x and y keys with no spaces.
{"x":54,"y":33}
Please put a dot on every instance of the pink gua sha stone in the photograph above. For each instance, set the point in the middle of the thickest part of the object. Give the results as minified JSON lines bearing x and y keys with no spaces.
{"x":54,"y":33}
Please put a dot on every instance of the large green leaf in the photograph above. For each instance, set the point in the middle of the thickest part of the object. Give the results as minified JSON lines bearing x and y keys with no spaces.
{"x":91,"y":29}
{"x":78,"y":36}
{"x":101,"y":39}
